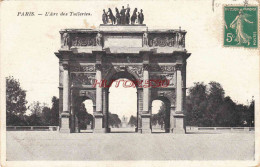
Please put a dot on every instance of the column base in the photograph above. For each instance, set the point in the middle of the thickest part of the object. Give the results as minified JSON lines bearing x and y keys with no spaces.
{"x":146,"y":123}
{"x":102,"y":130}
{"x":178,"y":124}
{"x":146,"y":131}
{"x":178,"y":131}
{"x":65,"y":128}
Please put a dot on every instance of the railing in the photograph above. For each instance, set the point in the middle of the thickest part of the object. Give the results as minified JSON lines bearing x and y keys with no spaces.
{"x":32,"y":128}
{"x":219,"y":129}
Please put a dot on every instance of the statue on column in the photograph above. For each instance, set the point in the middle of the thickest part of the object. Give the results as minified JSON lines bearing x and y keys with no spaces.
{"x":141,"y":17}
{"x":134,"y":16}
{"x":122,"y":13}
{"x":99,"y":39}
{"x":104,"y":17}
{"x":145,"y":39}
{"x":118,"y":17}
{"x":65,"y":37}
{"x":111,"y":16}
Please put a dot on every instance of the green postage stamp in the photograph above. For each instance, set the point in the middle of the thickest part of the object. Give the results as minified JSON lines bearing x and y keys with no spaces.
{"x":241,"y":27}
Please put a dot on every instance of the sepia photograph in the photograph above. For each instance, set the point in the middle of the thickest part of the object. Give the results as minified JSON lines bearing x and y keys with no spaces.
{"x":129,"y":83}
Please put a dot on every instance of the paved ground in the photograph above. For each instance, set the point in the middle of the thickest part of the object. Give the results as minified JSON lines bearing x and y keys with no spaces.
{"x":46,"y":145}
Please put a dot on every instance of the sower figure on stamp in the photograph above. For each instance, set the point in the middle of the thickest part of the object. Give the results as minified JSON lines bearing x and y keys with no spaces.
{"x":118,"y":18}
{"x":238,"y":25}
{"x":122,"y":13}
{"x":104,"y":17}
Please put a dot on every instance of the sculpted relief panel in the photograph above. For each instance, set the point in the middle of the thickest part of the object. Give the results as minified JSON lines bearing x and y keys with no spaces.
{"x":161,"y":68}
{"x":163,"y":77}
{"x":85,"y":68}
{"x":169,"y":40}
{"x":83,"y":79}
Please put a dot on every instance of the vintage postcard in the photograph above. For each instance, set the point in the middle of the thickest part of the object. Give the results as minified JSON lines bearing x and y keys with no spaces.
{"x":130,"y":83}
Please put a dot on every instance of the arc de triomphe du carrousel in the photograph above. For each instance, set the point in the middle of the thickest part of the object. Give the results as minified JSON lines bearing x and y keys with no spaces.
{"x":90,"y":59}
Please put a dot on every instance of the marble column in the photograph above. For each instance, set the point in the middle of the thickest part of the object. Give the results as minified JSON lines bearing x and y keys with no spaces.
{"x":172,"y":112}
{"x":146,"y":115}
{"x":105,"y":109}
{"x":98,"y":115}
{"x":65,"y":124}
{"x":178,"y":115}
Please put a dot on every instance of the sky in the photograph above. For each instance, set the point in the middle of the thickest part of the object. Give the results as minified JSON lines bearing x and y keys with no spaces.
{"x":28,"y":45}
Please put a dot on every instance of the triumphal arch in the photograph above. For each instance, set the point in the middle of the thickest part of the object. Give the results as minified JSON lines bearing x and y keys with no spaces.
{"x":89,"y":57}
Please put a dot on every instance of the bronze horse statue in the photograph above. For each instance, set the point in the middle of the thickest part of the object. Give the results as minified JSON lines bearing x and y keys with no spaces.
{"x":134,"y":16}
{"x":111,"y":16}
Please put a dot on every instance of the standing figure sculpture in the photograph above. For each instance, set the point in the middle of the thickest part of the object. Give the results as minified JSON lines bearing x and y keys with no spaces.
{"x":134,"y":16}
{"x":118,"y":18}
{"x":238,"y":24}
{"x":127,"y":16}
{"x":111,"y":16}
{"x":66,"y":39}
{"x":145,"y":39}
{"x":104,"y":17}
{"x":141,"y":17}
{"x":138,"y":18}
{"x":99,"y":39}
{"x":122,"y":13}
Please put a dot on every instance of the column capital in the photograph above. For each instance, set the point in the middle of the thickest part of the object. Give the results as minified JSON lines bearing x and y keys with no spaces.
{"x":98,"y":66}
{"x":65,"y":65}
{"x":178,"y":67}
{"x":172,"y":107}
{"x":146,"y":67}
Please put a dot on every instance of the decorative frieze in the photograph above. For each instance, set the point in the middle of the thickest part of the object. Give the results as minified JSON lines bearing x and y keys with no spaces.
{"x":161,"y":42}
{"x":137,"y":69}
{"x":84,"y":41}
{"x":82,"y":78}
{"x":85,"y":68}
{"x":161,"y":68}
{"x":163,"y":78}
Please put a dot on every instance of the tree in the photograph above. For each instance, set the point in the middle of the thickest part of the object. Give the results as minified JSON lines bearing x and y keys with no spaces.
{"x":46,"y":116}
{"x":208,"y":106}
{"x":196,"y":104}
{"x":132,"y":121}
{"x":15,"y":103}
{"x":84,"y":117}
{"x":251,"y":113}
{"x":113,"y":120}
{"x":215,"y":100}
{"x":35,"y":118}
{"x":55,"y":111}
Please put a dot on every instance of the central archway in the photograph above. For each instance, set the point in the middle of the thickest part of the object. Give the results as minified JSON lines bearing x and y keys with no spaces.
{"x":122,"y":115}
